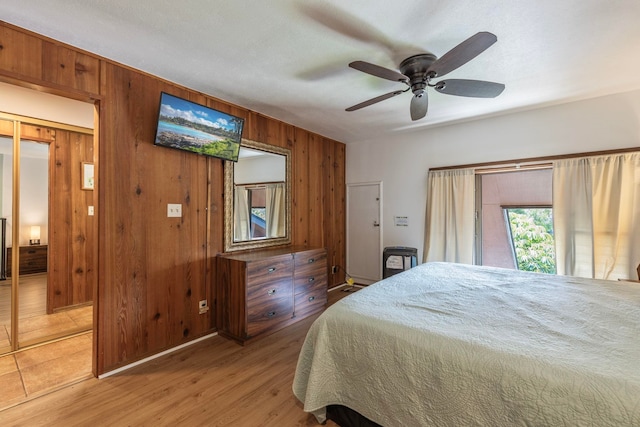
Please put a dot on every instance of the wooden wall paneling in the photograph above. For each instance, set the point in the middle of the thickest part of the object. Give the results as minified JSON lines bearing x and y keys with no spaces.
{"x":37,"y":133}
{"x":120,"y":296}
{"x":327,"y":200}
{"x":82,"y":238}
{"x":73,"y":237}
{"x":70,"y":68}
{"x":255,"y":127}
{"x":59,"y":225}
{"x":87,"y":224}
{"x":300,"y":197}
{"x":59,"y":222}
{"x":215,"y":243}
{"x":20,"y":53}
{"x":315,"y":191}
{"x":173,"y":262}
{"x":215,"y":230}
{"x":266,"y":130}
{"x":147,"y":267}
{"x":335,"y":213}
{"x":277,"y":132}
{"x":206,"y":211}
{"x":6,"y":128}
{"x":168,"y":277}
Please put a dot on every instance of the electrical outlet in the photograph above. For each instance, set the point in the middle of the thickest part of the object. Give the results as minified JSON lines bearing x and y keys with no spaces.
{"x":174,"y":210}
{"x":334,"y":269}
{"x":203,"y":306}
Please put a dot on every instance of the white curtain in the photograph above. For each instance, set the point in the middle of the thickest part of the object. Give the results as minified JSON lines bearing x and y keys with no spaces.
{"x":241,"y":220}
{"x":450,"y":221}
{"x":596,"y":208}
{"x":274,"y":207}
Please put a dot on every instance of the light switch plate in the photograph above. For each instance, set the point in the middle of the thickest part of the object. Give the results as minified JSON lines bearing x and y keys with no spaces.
{"x":174,"y":210}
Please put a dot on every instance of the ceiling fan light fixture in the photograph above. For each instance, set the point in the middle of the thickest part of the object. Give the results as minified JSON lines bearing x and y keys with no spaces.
{"x":417,"y":71}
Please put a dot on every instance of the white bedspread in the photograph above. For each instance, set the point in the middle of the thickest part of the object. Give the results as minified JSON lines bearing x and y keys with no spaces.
{"x":457,"y":345}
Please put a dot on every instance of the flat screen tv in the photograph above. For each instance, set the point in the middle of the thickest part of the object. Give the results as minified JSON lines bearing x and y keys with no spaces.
{"x":188,"y":126}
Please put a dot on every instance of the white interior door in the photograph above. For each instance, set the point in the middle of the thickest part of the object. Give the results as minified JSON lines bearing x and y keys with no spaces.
{"x":364,"y":232}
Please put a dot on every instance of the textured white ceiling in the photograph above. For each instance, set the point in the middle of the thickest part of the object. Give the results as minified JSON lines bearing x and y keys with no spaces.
{"x":288,"y":59}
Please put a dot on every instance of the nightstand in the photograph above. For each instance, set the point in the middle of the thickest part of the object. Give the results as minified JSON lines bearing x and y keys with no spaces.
{"x":33,"y":259}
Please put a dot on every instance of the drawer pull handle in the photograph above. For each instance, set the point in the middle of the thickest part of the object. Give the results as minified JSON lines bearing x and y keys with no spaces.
{"x":31,"y":252}
{"x":311,"y":279}
{"x":311,"y":298}
{"x":271,"y":291}
{"x":271,"y":314}
{"x":272,"y":269}
{"x":311,"y":260}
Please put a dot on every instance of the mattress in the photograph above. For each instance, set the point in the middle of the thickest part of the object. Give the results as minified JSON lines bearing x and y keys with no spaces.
{"x":455,"y":345}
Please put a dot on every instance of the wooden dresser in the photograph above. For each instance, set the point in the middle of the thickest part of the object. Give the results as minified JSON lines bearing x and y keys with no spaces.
{"x":33,"y":259}
{"x":259,"y":292}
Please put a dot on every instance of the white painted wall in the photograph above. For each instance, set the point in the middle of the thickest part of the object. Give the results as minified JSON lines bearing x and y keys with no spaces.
{"x":40,"y":105}
{"x":402,"y":161}
{"x":265,"y":168}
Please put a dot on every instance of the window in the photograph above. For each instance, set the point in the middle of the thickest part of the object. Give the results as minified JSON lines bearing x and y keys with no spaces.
{"x":258,"y":212}
{"x":530,"y":230}
{"x":512,"y":190}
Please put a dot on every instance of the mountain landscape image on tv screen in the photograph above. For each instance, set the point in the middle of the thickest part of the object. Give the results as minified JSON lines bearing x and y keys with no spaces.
{"x":192,"y":127}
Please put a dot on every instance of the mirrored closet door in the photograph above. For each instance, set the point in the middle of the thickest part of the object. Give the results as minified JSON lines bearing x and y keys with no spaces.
{"x":47,"y":235}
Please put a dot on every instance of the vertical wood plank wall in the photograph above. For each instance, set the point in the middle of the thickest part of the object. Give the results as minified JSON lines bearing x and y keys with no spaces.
{"x":72,"y":234}
{"x":153,"y":270}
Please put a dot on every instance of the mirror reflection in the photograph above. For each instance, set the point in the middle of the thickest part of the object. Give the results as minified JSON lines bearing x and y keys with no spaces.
{"x":259,"y":180}
{"x":257,"y":197}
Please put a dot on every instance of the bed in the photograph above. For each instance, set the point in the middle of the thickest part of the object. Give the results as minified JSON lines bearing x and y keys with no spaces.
{"x":456,"y":345}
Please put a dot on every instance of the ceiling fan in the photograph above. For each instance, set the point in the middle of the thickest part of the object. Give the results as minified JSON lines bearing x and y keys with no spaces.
{"x":418,"y":71}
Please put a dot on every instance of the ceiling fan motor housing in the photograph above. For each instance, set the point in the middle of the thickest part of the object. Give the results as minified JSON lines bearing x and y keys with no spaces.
{"x":416,"y":69}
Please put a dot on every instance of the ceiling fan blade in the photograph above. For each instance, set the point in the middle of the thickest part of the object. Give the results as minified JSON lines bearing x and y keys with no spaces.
{"x":344,"y":23}
{"x":378,"y":71}
{"x":349,"y":25}
{"x":374,"y":100}
{"x":471,"y":88}
{"x":463,"y":53}
{"x":419,"y":106}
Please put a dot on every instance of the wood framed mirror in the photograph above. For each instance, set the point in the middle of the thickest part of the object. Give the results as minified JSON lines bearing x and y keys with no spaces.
{"x":257,"y":197}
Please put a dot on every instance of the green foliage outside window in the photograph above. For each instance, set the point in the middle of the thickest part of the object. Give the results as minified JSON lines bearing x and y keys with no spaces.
{"x":532,"y":236}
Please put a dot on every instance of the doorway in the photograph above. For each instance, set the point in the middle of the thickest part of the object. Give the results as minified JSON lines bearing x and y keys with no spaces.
{"x":364,"y":232}
{"x":47,"y":244}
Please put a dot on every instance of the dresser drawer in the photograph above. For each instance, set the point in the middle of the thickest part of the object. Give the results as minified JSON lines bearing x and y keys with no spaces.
{"x":269,"y":270}
{"x":265,"y":314}
{"x":309,"y":260}
{"x":315,"y":280}
{"x":310,"y":302}
{"x":269,"y":290}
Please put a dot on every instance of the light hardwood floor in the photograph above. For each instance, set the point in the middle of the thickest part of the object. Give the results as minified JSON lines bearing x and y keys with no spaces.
{"x":35,"y":325}
{"x":36,"y":371}
{"x":215,"y":382}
